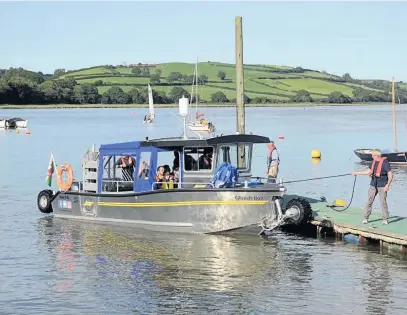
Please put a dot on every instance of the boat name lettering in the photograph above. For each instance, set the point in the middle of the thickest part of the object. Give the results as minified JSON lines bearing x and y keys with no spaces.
{"x":64,"y":197}
{"x":249,"y":198}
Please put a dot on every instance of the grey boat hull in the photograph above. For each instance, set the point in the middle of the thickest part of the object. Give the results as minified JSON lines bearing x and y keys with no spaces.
{"x":192,"y":211}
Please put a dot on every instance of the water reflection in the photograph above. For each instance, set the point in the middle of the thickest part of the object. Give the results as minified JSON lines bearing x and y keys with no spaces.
{"x":377,"y":284}
{"x":122,"y":261}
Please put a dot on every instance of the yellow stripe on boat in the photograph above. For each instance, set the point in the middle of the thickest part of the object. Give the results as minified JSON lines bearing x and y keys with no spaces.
{"x":178,"y":203}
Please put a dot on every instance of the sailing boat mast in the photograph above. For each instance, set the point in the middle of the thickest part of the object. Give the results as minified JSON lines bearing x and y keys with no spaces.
{"x":394,"y":115}
{"x":196,"y":89}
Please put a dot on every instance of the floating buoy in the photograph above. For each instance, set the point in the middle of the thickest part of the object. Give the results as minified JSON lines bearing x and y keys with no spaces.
{"x":17,"y":131}
{"x":281,"y":137}
{"x":340,"y":202}
{"x":27,"y":132}
{"x":316,"y":154}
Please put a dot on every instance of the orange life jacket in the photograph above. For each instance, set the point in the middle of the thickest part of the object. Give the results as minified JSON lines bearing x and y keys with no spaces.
{"x":379,"y":167}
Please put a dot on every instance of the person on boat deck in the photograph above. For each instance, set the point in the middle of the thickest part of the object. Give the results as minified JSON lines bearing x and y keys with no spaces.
{"x":127,"y":163}
{"x":167,"y":181}
{"x":167,"y":168}
{"x":205,"y":160}
{"x":273,"y":161}
{"x":143,"y":170}
{"x":382,"y":176}
{"x":175,"y":163}
{"x":159,"y":178}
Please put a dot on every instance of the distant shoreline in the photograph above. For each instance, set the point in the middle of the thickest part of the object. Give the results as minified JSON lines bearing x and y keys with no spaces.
{"x":65,"y":106}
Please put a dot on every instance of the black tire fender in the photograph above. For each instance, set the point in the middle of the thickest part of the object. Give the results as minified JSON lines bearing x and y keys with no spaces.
{"x":44,"y":201}
{"x":304,"y":208}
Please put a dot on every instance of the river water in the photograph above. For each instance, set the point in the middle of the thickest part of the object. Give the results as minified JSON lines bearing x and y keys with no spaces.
{"x":51,"y":266}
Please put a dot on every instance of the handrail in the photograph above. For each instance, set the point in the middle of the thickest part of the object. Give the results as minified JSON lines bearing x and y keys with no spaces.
{"x":182,"y":183}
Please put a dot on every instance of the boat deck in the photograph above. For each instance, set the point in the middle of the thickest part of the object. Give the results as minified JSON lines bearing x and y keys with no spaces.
{"x":350,"y":222}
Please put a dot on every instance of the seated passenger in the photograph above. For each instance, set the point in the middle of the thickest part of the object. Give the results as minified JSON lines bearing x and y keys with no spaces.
{"x":173,"y":179}
{"x":159,"y":178}
{"x":205,"y":160}
{"x":167,"y":182}
{"x":167,"y":168}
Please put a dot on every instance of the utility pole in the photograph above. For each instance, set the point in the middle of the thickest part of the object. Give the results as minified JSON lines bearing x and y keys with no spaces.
{"x":240,"y":106}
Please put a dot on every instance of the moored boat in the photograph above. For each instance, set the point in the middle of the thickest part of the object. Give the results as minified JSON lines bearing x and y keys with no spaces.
{"x":19,"y":122}
{"x":7,"y":123}
{"x":394,"y":157}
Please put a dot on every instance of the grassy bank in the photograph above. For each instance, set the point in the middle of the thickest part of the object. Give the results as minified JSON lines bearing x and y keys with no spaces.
{"x":63,"y":106}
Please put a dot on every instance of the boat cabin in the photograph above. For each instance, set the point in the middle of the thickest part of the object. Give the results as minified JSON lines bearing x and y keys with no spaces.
{"x":133,"y":166}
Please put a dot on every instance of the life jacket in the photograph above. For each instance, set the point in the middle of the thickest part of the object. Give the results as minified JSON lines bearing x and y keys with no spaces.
{"x":168,"y":185}
{"x":379,"y":167}
{"x":269,"y":159}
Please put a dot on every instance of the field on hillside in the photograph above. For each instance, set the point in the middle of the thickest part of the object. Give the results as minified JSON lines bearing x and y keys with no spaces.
{"x":277,"y":83}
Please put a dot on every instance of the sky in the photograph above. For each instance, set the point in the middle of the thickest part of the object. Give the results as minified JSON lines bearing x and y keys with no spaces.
{"x":366,"y":39}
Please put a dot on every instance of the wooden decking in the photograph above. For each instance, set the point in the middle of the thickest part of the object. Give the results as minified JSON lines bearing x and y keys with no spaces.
{"x":350,"y":222}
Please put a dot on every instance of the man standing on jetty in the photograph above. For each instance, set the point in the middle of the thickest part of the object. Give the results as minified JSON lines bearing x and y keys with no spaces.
{"x":382,"y":176}
{"x":273,"y":160}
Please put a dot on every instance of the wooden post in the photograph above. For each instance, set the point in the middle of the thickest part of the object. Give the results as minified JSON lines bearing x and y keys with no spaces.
{"x":393,"y":101}
{"x":240,"y":106}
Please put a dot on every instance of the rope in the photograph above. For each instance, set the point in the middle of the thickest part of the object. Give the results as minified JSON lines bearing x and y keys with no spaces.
{"x":350,"y":202}
{"x":315,"y":178}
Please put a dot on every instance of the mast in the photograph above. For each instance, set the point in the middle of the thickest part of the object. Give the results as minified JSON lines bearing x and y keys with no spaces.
{"x":394,"y":115}
{"x":196,"y":89}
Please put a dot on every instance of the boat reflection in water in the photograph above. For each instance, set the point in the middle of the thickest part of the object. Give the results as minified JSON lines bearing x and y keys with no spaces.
{"x":123,"y":261}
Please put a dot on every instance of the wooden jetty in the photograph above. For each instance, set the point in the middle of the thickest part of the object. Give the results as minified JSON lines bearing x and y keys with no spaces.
{"x":329,"y":222}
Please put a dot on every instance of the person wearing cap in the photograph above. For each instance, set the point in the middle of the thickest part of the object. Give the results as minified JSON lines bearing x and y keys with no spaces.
{"x":273,"y":161}
{"x":382,"y":176}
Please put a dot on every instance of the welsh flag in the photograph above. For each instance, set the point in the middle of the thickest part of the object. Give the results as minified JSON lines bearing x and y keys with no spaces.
{"x":51,"y":168}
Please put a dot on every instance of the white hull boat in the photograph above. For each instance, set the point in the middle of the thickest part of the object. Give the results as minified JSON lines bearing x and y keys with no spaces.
{"x":150,"y":117}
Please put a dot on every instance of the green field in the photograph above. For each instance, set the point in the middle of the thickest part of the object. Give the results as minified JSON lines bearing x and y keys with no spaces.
{"x":261,"y":81}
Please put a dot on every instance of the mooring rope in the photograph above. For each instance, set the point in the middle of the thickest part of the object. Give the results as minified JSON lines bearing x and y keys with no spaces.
{"x":315,"y":178}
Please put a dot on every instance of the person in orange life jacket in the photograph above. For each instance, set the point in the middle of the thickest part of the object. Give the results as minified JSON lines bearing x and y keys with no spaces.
{"x":382,"y":176}
{"x":128,"y":163}
{"x":273,"y":161}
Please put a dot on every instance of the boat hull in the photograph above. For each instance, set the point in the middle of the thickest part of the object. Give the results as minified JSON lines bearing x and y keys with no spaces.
{"x":393,"y":157}
{"x":193,"y":211}
{"x":200,"y":127}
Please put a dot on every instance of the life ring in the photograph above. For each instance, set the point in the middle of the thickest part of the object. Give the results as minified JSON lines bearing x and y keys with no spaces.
{"x":68,"y":169}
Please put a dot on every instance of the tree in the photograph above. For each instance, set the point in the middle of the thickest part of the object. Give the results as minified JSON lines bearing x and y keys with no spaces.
{"x":221,"y":75}
{"x":219,"y":97}
{"x":347,"y":77}
{"x":158,"y":72}
{"x":59,"y":72}
{"x":203,"y":79}
{"x":174,"y":76}
{"x":86,"y":94}
{"x":177,"y":92}
{"x":136,"y":71}
{"x":155,"y":79}
{"x":338,"y":98}
{"x":136,"y":97}
{"x":145,"y":72}
{"x":115,"y":95}
{"x":302,"y":96}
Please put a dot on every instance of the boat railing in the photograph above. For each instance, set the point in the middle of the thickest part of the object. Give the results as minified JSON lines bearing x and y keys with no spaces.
{"x":179,"y":185}
{"x":115,"y":183}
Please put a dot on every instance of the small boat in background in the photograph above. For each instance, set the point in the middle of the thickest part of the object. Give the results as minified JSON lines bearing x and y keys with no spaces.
{"x":395,"y":157}
{"x":19,"y":122}
{"x":7,"y":123}
{"x":150,"y":117}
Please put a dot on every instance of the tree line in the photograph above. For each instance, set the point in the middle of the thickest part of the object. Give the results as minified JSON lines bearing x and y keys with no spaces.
{"x":20,"y":86}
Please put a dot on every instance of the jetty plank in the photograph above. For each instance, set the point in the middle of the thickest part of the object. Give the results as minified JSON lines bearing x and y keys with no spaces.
{"x":350,"y":221}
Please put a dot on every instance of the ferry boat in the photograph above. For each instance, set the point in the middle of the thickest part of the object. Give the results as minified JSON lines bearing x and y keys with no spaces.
{"x":213,"y":188}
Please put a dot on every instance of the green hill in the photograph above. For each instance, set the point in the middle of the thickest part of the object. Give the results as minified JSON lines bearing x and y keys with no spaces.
{"x":262,"y":83}
{"x":127,"y":84}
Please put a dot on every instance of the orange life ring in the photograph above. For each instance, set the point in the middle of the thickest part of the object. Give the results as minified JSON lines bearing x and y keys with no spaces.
{"x":64,"y":168}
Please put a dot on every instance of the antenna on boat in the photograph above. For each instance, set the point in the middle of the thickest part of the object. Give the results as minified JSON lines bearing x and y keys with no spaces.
{"x":183,"y":111}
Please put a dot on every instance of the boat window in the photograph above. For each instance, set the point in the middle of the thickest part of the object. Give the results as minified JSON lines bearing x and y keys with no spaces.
{"x":228,"y":153}
{"x":118,"y":173}
{"x":198,"y":159}
{"x":144,"y":165}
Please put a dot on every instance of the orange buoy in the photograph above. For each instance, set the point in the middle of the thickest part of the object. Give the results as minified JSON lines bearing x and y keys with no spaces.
{"x":281,"y":137}
{"x":27,"y":132}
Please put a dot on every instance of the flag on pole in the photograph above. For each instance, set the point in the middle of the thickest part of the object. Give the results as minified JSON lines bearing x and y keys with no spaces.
{"x":51,"y":169}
